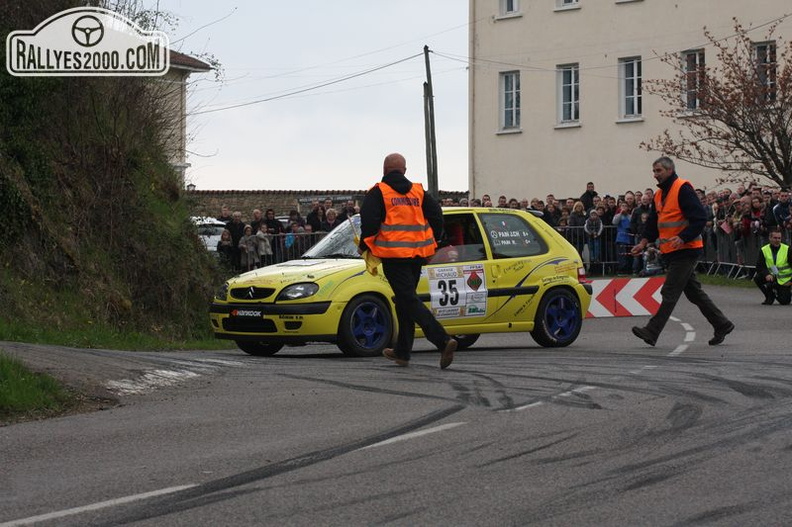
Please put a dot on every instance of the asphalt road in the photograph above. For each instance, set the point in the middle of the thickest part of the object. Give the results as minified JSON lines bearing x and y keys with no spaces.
{"x":608,"y":431}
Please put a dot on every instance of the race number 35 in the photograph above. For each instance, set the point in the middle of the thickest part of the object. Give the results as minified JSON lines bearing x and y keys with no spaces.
{"x":449,"y":294}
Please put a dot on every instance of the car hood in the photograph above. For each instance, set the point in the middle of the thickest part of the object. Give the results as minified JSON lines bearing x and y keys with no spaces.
{"x":294,"y":271}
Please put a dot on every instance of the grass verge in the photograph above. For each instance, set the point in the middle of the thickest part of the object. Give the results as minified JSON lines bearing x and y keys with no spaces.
{"x":26,"y":395}
{"x":713,"y":279}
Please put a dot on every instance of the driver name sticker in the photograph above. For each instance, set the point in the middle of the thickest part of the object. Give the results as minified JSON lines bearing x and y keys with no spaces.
{"x":458,"y":291}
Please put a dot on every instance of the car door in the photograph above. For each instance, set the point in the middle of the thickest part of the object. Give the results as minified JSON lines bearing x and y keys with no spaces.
{"x":455,"y":283}
{"x":519,"y":262}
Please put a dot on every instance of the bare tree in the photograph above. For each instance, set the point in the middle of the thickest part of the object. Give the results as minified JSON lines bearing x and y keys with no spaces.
{"x":735,"y":115}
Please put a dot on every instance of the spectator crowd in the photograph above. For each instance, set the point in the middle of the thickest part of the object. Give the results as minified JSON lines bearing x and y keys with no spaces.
{"x":602,"y":228}
{"x":605,"y":227}
{"x":266,"y":240}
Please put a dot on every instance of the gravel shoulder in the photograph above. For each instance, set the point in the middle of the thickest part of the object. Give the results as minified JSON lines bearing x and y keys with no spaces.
{"x":86,"y":373}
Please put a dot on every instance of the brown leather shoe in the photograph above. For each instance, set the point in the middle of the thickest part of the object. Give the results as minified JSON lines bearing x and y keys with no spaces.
{"x":389,"y":354}
{"x":447,"y":353}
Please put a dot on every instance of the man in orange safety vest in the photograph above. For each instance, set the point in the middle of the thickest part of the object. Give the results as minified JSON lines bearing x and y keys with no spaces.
{"x":399,"y":223}
{"x":675,"y":225}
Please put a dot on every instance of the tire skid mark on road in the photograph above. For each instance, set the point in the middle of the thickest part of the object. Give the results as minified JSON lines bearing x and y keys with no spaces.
{"x":529,"y":451}
{"x":194,"y":496}
{"x":690,"y":336}
{"x":94,"y":506}
{"x":753,"y":391}
{"x":364,"y":388}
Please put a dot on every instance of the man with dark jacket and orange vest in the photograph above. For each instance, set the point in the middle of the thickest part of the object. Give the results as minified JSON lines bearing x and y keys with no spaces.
{"x":676,"y":224}
{"x":399,"y":223}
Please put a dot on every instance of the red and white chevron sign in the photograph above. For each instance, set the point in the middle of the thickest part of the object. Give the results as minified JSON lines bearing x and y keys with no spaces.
{"x":625,"y":297}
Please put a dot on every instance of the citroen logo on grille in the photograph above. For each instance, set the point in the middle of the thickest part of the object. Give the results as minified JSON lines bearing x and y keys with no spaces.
{"x":251,"y":292}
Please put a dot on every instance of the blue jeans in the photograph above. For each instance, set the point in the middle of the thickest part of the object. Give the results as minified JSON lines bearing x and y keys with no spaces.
{"x":594,"y":249}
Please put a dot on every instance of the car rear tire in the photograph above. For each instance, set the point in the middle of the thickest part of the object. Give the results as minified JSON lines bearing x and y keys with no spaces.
{"x":366,"y":327}
{"x":558,"y":319}
{"x":259,"y":349}
{"x":465,"y":341}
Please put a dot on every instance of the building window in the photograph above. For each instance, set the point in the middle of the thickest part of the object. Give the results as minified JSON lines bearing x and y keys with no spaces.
{"x":567,"y":4}
{"x":766,"y":69}
{"x":509,"y":7}
{"x":630,"y":104}
{"x":568,"y":93}
{"x":510,"y":99}
{"x":693,"y":66}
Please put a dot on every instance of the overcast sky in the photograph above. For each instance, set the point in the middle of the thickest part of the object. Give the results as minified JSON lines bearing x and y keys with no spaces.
{"x":333,"y":137}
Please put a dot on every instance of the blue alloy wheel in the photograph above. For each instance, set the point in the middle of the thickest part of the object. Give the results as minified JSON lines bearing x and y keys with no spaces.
{"x":366,"y":327}
{"x":558,"y":319}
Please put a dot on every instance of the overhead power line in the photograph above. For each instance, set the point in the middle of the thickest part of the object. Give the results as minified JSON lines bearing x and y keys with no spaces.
{"x":310,"y":88}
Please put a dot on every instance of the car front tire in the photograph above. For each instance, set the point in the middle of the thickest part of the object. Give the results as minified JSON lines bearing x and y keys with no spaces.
{"x":366,"y":327}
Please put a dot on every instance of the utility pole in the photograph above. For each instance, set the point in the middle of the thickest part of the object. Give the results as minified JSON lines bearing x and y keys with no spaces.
{"x":429,"y":130}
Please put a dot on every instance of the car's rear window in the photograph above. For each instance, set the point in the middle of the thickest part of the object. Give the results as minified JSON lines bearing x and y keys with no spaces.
{"x":511,"y":236}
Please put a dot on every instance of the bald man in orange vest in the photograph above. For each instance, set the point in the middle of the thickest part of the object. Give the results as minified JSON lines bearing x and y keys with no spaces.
{"x":399,"y":223}
{"x":676,"y":224}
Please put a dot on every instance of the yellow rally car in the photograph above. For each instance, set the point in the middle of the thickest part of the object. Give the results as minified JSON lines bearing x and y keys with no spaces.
{"x":497,"y":270}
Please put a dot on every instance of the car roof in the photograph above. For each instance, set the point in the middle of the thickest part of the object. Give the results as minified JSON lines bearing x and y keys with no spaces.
{"x":206,"y":220}
{"x":501,"y":210}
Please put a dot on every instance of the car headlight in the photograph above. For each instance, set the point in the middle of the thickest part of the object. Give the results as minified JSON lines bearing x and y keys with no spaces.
{"x":222,"y":292}
{"x":295,"y":291}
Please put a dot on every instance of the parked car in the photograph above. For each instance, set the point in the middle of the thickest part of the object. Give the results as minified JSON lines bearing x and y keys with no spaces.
{"x":209,"y":230}
{"x":498,"y":270}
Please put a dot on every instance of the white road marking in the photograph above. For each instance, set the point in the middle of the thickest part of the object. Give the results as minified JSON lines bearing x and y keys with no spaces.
{"x":581,"y":389}
{"x":150,"y":380}
{"x":523,"y":407}
{"x":223,"y":362}
{"x":576,"y":391}
{"x":94,"y":506}
{"x":412,"y":435}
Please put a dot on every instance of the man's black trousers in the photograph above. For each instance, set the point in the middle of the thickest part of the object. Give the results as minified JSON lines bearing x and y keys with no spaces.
{"x":403,"y":275}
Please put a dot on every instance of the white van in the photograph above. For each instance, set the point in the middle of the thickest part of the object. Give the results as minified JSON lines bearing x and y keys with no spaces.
{"x":209,"y":230}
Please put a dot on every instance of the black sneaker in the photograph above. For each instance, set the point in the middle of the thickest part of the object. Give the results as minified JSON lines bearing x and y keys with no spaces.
{"x":720,"y":334}
{"x":643,"y":334}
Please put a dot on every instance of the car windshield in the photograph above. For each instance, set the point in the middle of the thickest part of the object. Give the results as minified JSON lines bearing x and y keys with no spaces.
{"x":341,"y":242}
{"x":211,"y":230}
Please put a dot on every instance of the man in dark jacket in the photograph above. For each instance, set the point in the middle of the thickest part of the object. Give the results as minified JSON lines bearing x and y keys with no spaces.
{"x":399,"y":223}
{"x":676,"y":224}
{"x":588,"y":197}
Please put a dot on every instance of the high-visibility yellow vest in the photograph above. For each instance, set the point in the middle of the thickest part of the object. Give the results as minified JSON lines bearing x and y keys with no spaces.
{"x":781,"y":262}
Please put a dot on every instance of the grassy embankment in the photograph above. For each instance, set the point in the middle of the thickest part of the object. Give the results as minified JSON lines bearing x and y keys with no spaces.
{"x":26,"y":395}
{"x":96,"y":246}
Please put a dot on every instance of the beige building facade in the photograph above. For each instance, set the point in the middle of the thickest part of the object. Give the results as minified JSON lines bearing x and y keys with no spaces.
{"x":171,"y":92}
{"x":556,"y":96}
